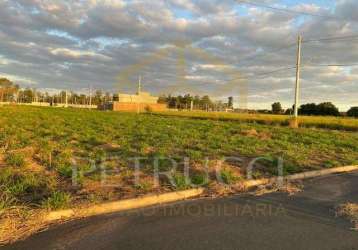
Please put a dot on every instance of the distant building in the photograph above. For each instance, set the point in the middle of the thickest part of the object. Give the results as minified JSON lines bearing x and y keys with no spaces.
{"x":141,"y":101}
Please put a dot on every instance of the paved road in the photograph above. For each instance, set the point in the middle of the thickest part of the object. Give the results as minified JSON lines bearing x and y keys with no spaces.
{"x":274,"y":221}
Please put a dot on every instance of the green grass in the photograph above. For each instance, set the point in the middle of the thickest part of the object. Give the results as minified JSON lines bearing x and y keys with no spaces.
{"x":18,"y":187}
{"x":58,"y":135}
{"x":15,"y":160}
{"x":57,"y":200}
{"x":336,"y":123}
{"x":228,"y":177}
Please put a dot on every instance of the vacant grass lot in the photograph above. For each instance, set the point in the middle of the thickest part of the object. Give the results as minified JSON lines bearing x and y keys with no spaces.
{"x":39,"y":145}
{"x":337,"y":123}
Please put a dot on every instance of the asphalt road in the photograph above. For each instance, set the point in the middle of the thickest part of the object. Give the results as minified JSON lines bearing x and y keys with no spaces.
{"x":275,"y":221}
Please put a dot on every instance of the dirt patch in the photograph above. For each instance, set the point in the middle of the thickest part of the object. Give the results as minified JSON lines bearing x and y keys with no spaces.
{"x":250,"y":132}
{"x":26,"y":151}
{"x":254,"y":133}
{"x":34,"y":166}
{"x":215,"y":189}
{"x":287,"y":187}
{"x":110,"y":147}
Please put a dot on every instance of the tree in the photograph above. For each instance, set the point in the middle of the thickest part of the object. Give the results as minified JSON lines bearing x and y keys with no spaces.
{"x":7,"y":90}
{"x":353,"y":112}
{"x":308,"y":109}
{"x":276,"y":108}
{"x":206,"y":102}
{"x":98,"y":97}
{"x":26,"y":95}
{"x":327,"y":108}
{"x":196,"y":101}
{"x":230,"y":103}
{"x":289,"y":111}
{"x":163,"y":99}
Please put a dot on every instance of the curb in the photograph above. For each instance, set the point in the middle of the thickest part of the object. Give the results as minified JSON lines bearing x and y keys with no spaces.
{"x":301,"y":176}
{"x":123,"y":205}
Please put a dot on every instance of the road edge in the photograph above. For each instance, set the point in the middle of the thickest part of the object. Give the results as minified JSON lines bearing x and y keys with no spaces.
{"x":123,"y":205}
{"x":301,"y":176}
{"x":151,"y":200}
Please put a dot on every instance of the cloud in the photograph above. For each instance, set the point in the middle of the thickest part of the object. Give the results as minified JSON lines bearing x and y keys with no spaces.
{"x":69,"y":54}
{"x":73,"y":44}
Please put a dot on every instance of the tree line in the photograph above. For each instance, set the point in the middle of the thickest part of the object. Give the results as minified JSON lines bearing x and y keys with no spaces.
{"x":10,"y":92}
{"x":321,"y":109}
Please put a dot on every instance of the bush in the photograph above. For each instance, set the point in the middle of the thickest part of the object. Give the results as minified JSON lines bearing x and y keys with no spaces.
{"x":199,"y":179}
{"x":228,"y":176}
{"x":271,"y":166}
{"x":144,"y":186}
{"x":64,"y":170}
{"x":57,"y":200}
{"x":180,"y":181}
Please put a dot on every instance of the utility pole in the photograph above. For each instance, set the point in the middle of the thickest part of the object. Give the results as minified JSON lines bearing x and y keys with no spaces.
{"x":66,"y":100}
{"x":90,"y":96}
{"x":138,"y":93}
{"x":297,"y":89}
{"x":139,"y":85}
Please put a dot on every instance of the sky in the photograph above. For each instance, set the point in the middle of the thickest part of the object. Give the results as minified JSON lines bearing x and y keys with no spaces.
{"x":219,"y":48}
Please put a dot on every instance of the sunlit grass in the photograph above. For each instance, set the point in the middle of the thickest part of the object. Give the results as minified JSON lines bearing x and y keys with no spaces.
{"x":339,"y":123}
{"x":38,"y":146}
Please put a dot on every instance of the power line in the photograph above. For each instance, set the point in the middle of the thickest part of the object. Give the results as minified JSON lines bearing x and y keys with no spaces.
{"x":282,"y":9}
{"x":292,"y":67}
{"x":250,"y":58}
{"x":330,"y":65}
{"x":328,"y":39}
{"x":291,"y":11}
{"x":264,"y":73}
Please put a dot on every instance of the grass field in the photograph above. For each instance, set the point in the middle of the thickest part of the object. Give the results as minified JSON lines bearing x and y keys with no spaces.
{"x":337,"y":123}
{"x":38,"y":147}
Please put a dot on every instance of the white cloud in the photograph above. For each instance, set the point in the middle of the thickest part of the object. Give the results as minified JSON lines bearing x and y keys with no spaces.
{"x":18,"y":79}
{"x":70,"y":53}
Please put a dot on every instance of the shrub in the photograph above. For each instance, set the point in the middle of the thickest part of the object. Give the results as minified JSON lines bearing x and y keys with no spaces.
{"x":228,"y":176}
{"x":57,"y":200}
{"x":144,"y":186}
{"x":271,"y":166}
{"x":15,"y":160}
{"x":180,"y":181}
{"x":199,"y":179}
{"x":64,"y":170}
